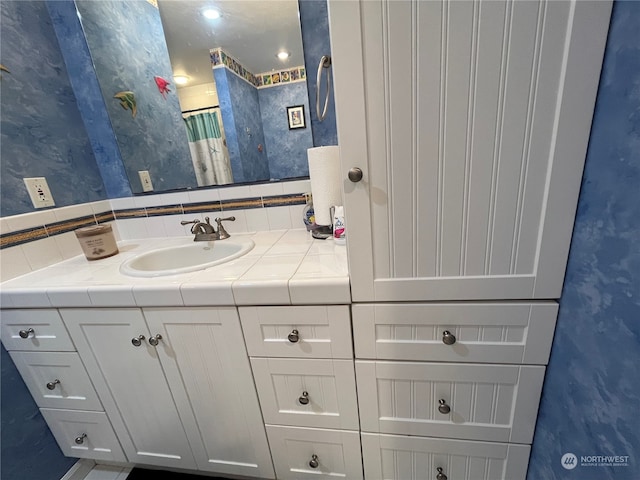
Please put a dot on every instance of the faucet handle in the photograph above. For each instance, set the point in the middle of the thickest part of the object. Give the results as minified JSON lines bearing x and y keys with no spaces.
{"x":222,"y":233}
{"x":187,"y":222}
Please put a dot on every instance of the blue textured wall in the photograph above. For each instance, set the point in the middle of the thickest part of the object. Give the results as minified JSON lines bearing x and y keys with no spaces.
{"x":286,"y":149}
{"x":591,"y":399}
{"x":87,"y":92}
{"x":123,"y":40}
{"x":240,"y":110}
{"x":42,"y":133}
{"x":314,"y":22}
{"x":229,"y":122}
{"x":246,"y":112}
{"x":29,"y":450}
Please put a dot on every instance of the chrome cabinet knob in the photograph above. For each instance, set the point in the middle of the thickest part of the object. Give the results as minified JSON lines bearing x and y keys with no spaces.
{"x":137,"y":341}
{"x":294,"y":336}
{"x":440,"y":476}
{"x":155,"y":340}
{"x":448,"y":338}
{"x":443,"y":408}
{"x":80,"y":439}
{"x":26,"y":333}
{"x":355,"y":174}
{"x":313,"y":463}
{"x":304,"y":398}
{"x":52,"y":385}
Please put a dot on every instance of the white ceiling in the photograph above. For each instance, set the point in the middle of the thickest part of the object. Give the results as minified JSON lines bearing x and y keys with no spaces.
{"x":251,"y":31}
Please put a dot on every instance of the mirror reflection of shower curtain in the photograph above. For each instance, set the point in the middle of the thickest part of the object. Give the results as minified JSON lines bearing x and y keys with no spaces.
{"x":208,"y":153}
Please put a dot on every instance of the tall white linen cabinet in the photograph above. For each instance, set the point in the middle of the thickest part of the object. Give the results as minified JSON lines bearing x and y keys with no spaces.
{"x":464,"y":127}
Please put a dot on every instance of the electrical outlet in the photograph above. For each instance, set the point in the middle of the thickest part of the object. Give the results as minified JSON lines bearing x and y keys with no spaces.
{"x":39,"y":192}
{"x":145,"y":179}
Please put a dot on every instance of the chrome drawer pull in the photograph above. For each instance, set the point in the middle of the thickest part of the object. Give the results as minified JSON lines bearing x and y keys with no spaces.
{"x":26,"y":333}
{"x":80,"y":439}
{"x":314,"y":461}
{"x":304,"y":399}
{"x":155,"y":340}
{"x":52,"y":385}
{"x":448,"y":338}
{"x":443,"y":408}
{"x":137,"y":341}
{"x":294,"y":336}
{"x":440,"y":476}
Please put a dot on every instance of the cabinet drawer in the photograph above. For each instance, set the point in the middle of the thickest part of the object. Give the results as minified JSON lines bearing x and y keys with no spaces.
{"x":329,"y":385}
{"x":48,"y":332}
{"x":393,"y":457}
{"x":57,"y":380}
{"x":69,"y":426}
{"x":312,"y":332}
{"x":478,"y":332}
{"x":295,"y":451}
{"x":497,"y":403}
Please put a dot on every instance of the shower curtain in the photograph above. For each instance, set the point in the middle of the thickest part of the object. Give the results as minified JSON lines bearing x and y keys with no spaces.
{"x":208,"y":153}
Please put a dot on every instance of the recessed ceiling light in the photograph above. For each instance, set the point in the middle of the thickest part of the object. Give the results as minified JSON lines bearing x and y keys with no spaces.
{"x":282,"y":55}
{"x":211,"y":13}
{"x":181,"y":79}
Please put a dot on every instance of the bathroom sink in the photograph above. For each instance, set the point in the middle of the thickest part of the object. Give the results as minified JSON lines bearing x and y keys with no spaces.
{"x":185,"y":258}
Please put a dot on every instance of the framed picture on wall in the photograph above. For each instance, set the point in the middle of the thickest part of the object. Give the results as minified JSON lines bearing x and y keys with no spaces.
{"x":295,"y":115}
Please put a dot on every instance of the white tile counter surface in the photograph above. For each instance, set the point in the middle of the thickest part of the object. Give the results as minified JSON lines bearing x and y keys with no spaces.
{"x":286,"y":267}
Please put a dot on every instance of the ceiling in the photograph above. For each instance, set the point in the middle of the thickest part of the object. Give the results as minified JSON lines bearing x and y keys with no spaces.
{"x":251,"y":31}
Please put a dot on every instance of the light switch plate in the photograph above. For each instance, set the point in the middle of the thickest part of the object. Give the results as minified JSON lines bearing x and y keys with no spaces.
{"x":39,"y":192}
{"x":145,"y":179}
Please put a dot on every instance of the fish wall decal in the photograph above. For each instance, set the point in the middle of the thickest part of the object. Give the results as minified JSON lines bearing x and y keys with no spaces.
{"x":127,"y":101}
{"x":163,"y":86}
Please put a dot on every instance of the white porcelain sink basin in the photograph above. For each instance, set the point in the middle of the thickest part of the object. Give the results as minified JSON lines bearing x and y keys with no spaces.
{"x":185,"y":258}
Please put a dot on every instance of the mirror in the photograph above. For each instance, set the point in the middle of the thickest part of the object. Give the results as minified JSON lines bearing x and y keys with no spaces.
{"x":231,"y":122}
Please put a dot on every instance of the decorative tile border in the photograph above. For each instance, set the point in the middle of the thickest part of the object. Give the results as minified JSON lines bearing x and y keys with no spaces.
{"x":164,"y":210}
{"x":220,"y":58}
{"x":130,"y":213}
{"x":49,"y":230}
{"x":283,"y":77}
{"x":242,"y":203}
{"x":202,"y":207}
{"x":23,"y":236}
{"x":69,"y":225}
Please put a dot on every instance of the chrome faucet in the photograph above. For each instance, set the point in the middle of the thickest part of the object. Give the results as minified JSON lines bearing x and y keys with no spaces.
{"x":204,"y":231}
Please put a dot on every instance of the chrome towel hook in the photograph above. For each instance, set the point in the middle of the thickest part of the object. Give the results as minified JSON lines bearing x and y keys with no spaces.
{"x":325,"y":62}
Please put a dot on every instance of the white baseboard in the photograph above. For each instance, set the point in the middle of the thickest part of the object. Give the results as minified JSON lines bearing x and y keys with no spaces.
{"x":85,"y":469}
{"x":79,"y":470}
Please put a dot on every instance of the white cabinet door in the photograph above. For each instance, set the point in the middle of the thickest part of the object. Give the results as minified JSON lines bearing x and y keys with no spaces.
{"x":470,"y":121}
{"x":307,"y":392}
{"x":315,"y":453}
{"x":131,"y":384}
{"x":455,"y":332}
{"x":203,"y":355}
{"x":392,"y":457}
{"x":298,"y":331}
{"x":497,"y":403}
{"x":57,"y":380}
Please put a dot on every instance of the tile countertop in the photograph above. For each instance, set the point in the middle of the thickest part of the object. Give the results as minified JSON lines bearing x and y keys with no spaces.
{"x":286,"y":267}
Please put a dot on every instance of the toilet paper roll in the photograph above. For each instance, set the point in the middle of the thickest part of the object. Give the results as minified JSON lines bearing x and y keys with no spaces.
{"x":326,"y":181}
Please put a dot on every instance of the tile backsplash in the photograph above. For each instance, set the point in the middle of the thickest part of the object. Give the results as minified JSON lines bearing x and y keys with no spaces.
{"x":36,"y":240}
